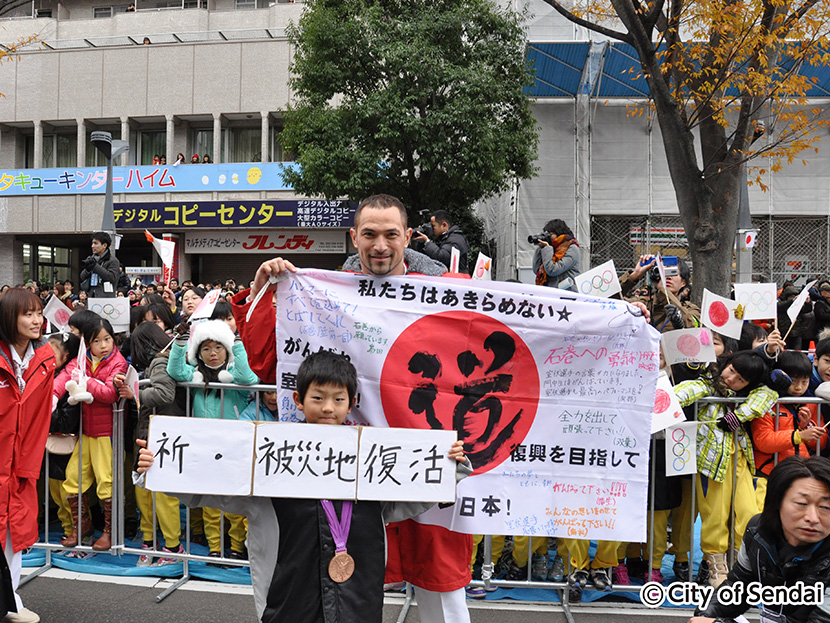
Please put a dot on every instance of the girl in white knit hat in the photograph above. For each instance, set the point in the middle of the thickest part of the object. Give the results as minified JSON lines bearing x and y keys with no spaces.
{"x":214,"y":355}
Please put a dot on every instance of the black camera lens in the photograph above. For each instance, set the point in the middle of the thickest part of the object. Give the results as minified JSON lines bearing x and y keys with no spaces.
{"x":655,"y":274}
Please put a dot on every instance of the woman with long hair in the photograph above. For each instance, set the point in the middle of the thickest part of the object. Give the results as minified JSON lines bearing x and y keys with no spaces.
{"x":27,"y":366}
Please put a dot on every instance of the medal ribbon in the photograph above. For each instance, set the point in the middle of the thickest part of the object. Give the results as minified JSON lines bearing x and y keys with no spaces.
{"x":339,"y":529}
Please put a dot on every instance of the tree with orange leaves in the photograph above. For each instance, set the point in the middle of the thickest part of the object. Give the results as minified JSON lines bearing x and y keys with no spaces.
{"x":723,"y":72}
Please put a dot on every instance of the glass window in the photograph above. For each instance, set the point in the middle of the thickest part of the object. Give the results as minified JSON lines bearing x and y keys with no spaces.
{"x":101,"y":11}
{"x":61,"y":255}
{"x":59,"y":150}
{"x":27,"y":262}
{"x":202,"y":144}
{"x":152,"y":144}
{"x":244,"y":145}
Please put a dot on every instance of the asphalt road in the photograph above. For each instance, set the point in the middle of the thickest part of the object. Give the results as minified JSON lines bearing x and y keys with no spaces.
{"x":60,"y":597}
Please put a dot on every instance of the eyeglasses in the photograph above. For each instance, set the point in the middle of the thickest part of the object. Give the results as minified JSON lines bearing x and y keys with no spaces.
{"x":206,"y":350}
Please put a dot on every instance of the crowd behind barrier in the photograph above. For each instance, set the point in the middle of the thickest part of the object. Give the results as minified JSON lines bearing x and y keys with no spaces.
{"x":126,"y":548}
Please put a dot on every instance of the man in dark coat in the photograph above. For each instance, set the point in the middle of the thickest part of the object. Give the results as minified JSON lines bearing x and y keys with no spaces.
{"x":447,"y":237}
{"x":101,"y":270}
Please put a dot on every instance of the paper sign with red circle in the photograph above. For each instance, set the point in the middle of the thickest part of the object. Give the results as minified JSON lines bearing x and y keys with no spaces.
{"x":718,"y":313}
{"x":667,"y":409}
{"x":688,"y":346}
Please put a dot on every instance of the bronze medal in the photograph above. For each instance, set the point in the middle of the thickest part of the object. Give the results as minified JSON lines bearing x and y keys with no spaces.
{"x":341,"y":567}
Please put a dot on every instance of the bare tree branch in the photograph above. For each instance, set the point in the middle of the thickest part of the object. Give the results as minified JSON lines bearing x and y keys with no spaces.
{"x":613,"y":34}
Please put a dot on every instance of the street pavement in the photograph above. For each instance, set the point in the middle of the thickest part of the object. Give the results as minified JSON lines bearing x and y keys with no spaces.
{"x":66,"y":597}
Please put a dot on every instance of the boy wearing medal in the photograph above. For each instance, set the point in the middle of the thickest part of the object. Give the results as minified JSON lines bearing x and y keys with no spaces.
{"x":331,"y":555}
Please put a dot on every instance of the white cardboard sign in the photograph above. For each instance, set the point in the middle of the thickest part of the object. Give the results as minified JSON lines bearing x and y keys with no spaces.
{"x":599,"y":281}
{"x":304,"y":461}
{"x":681,"y":449}
{"x":116,"y":310}
{"x":195,"y":455}
{"x":718,"y":313}
{"x":400,"y":468}
{"x":759,"y":300}
{"x":688,"y":346}
{"x":667,"y":409}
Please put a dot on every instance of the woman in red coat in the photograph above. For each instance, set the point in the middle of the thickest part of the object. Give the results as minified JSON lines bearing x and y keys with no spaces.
{"x":27,"y":369}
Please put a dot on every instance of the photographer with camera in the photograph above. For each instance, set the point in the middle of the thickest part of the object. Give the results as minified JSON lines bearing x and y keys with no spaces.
{"x":446,"y":237}
{"x":101,"y":270}
{"x":675,"y":313}
{"x":556,"y":258}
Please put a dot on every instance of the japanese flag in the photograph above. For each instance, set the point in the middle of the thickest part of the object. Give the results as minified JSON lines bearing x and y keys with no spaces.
{"x":165,"y":248}
{"x":455,"y":259}
{"x":81,"y":363}
{"x":57,"y":313}
{"x":748,"y":239}
{"x":718,"y":313}
{"x":205,"y":309}
{"x":482,"y":269}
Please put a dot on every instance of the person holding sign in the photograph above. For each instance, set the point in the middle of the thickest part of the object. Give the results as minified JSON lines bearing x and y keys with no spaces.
{"x":739,"y":374}
{"x":99,"y":366}
{"x":27,"y":367}
{"x":330,"y":555}
{"x":434,"y":559}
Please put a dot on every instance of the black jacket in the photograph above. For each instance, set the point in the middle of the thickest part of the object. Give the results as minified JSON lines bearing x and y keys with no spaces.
{"x":760,"y":561}
{"x":107,"y":267}
{"x":441,"y":249}
{"x":301,"y":589}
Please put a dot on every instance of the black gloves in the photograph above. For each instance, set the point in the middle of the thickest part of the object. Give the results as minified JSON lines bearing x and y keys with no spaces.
{"x":674,"y":316}
{"x":729,"y":423}
{"x":89,"y":262}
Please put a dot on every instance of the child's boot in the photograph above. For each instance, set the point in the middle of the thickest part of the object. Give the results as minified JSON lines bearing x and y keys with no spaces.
{"x":86,"y":521}
{"x":104,"y":542}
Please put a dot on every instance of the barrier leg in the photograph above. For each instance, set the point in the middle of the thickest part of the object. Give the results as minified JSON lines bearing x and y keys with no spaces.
{"x":410,"y":591}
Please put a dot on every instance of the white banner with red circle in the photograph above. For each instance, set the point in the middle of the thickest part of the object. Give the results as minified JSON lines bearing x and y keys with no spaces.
{"x":551,"y":391}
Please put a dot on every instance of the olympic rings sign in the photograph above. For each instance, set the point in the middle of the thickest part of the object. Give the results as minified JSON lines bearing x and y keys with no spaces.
{"x":681,"y":455}
{"x":599,"y":281}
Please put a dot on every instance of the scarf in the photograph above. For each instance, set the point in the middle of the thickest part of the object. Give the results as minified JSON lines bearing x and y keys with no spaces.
{"x":560,"y":246}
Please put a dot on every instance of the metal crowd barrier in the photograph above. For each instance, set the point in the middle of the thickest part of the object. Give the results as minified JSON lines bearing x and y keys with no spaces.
{"x":122,"y":479}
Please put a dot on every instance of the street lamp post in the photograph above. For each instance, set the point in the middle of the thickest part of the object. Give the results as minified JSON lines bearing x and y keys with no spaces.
{"x":111,"y":149}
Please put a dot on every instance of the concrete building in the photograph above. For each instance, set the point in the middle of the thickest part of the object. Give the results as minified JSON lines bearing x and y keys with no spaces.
{"x":210,"y":77}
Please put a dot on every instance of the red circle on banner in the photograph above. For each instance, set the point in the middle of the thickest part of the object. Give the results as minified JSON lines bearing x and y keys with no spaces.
{"x":688,"y":345}
{"x":662,"y":401}
{"x":62,"y":317}
{"x":718,"y":314}
{"x":464,"y":371}
{"x":749,"y":238}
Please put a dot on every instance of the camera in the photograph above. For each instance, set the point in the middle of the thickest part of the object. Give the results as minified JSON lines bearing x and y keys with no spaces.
{"x":536,"y":238}
{"x":426,"y":228}
{"x":670,"y":268}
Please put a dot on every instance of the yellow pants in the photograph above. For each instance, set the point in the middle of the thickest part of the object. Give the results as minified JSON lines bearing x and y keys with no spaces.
{"x":64,"y":514}
{"x":521,"y":547}
{"x":606,"y":556}
{"x":96,"y":464}
{"x":714,"y":501}
{"x":167,"y":512}
{"x":498,"y":546}
{"x":760,"y":492}
{"x":237,"y":530}
{"x":643,"y":550}
{"x":681,"y":523}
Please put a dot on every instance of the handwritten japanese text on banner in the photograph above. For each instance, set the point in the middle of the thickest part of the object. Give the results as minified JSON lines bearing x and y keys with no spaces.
{"x":551,"y":391}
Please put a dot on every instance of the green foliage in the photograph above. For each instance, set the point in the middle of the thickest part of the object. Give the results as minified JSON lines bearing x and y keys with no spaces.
{"x":421,"y":100}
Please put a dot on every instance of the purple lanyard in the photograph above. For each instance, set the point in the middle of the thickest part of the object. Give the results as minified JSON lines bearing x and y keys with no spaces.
{"x":339,"y":529}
